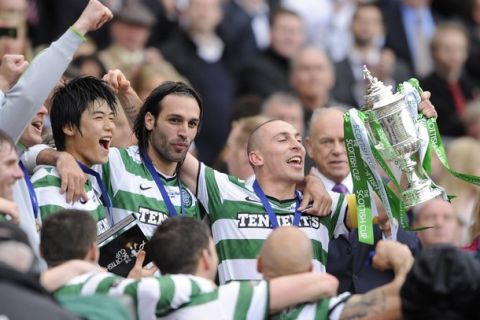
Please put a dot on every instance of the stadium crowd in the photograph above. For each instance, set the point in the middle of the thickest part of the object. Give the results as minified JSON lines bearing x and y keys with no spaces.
{"x":185,"y":159}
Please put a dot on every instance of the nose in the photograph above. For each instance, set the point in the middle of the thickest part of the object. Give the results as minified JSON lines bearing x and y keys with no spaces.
{"x":17,"y":172}
{"x":338,"y":147}
{"x":43,"y":111}
{"x":183,"y":129}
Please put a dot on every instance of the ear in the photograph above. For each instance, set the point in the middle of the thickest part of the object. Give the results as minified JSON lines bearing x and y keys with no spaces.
{"x":92,"y":253}
{"x":205,"y":260}
{"x":149,"y":121}
{"x":259,"y":264}
{"x":255,"y":158}
{"x":69,"y":130}
{"x":308,"y":144}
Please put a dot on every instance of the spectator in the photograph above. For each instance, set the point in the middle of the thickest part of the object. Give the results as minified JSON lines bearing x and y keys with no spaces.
{"x":451,"y":88}
{"x":13,"y":17}
{"x":410,"y":26}
{"x":463,"y":155}
{"x":245,"y":28}
{"x":368,"y":33}
{"x":438,"y":215}
{"x":10,"y":172}
{"x":286,"y":107}
{"x":150,"y":76}
{"x":129,"y":32}
{"x":268,"y":73}
{"x":235,"y":152}
{"x":312,"y":76}
{"x":471,"y":119}
{"x":199,"y":54}
{"x":347,"y":257}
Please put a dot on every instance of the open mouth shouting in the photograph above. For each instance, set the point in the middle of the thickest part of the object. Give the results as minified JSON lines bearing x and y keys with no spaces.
{"x":296,"y":162}
{"x":105,"y":143}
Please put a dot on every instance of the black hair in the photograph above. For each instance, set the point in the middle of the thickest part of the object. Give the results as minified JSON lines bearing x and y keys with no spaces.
{"x":153,"y":104}
{"x":279,"y":11}
{"x":67,"y":235}
{"x":71,"y":100}
{"x":177,"y":244}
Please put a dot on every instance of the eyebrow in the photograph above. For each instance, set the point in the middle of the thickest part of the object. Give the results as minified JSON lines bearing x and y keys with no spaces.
{"x":176,"y":115}
{"x":286,"y":134}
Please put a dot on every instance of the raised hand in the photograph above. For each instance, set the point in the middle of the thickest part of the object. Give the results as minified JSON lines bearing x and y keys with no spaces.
{"x":12,"y":67}
{"x":93,"y":17}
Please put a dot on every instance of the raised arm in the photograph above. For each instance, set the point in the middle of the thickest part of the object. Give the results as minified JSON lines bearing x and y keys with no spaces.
{"x":31,"y":90}
{"x":288,"y":291}
{"x":130,"y":101}
{"x":383,"y":302}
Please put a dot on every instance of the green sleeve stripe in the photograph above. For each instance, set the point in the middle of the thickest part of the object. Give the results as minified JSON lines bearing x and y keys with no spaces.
{"x":167,"y":292}
{"x":73,"y":289}
{"x":48,"y":181}
{"x":321,"y":312}
{"x":106,"y":284}
{"x":106,"y":178}
{"x":202,"y":299}
{"x":214,"y":198}
{"x":132,"y":291}
{"x":244,"y":300}
{"x":334,"y":217}
{"x":48,"y":210}
{"x":81,"y":36}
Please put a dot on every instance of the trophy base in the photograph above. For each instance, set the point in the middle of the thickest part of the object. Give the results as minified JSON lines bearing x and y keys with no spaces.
{"x":419,"y":193}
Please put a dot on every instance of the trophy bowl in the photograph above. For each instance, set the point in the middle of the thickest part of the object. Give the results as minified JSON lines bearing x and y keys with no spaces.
{"x":399,"y":128}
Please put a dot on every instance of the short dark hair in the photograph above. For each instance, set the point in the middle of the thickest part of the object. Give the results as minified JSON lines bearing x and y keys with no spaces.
{"x":5,"y":139}
{"x":71,"y":100}
{"x":153,"y":104}
{"x":67,"y":235}
{"x":279,"y":11}
{"x":177,"y":245}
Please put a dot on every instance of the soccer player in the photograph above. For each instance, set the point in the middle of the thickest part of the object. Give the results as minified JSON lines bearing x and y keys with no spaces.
{"x":82,"y":116}
{"x":189,"y":259}
{"x":288,"y":251}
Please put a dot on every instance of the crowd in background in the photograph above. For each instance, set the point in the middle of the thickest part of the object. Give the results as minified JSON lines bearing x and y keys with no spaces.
{"x":251,"y":61}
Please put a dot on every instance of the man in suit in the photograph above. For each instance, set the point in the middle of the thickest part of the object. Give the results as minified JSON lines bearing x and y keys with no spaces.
{"x":410,"y":26}
{"x":368,"y":32}
{"x":348,"y":259}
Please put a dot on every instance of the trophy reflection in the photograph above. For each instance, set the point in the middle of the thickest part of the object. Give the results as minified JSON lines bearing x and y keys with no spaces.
{"x":393,"y":133}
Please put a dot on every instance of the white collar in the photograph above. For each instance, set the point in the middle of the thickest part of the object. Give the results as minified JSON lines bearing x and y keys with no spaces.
{"x":329,"y":184}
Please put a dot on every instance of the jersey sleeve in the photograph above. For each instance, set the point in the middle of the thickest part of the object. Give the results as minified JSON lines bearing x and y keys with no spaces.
{"x":245,"y":299}
{"x":336,"y":220}
{"x":47,"y":189}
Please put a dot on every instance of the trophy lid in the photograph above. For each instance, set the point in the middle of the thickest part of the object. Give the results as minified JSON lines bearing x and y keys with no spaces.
{"x":376,"y":90}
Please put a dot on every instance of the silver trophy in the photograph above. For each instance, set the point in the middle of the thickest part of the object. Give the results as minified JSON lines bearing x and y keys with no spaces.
{"x":398,"y":126}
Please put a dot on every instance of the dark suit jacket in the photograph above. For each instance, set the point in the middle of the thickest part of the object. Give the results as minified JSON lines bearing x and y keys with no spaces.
{"x":448,"y":120}
{"x":345,"y":81}
{"x":348,"y":260}
{"x":266,"y":74}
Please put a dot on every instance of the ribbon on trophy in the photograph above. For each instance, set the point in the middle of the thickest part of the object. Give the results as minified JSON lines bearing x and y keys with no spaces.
{"x":391,"y":129}
{"x":429,"y":135}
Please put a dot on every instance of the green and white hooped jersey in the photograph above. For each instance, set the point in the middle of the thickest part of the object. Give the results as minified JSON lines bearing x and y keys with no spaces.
{"x":326,"y":309}
{"x":133,"y":190}
{"x":47,"y":183}
{"x":240,"y":224}
{"x":176,"y":296}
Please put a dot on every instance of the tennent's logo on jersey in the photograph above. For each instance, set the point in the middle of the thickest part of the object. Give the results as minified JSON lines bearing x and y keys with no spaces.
{"x":149,"y":216}
{"x":261,"y":220}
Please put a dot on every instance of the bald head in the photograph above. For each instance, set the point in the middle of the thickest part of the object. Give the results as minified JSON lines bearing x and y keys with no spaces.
{"x":286,"y":251}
